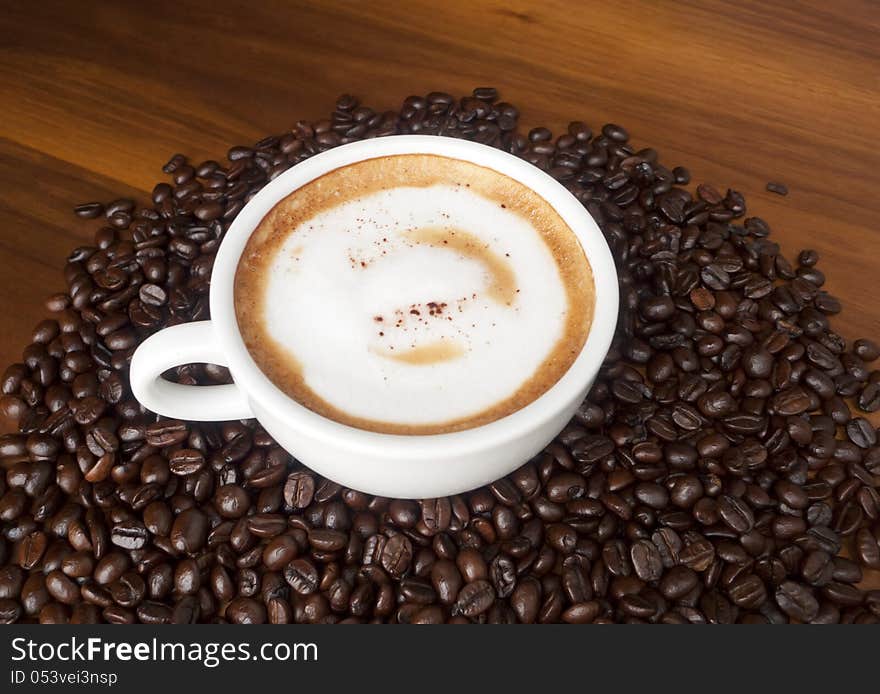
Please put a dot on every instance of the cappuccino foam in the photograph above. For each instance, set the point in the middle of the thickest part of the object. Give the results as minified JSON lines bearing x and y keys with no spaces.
{"x":414,"y":294}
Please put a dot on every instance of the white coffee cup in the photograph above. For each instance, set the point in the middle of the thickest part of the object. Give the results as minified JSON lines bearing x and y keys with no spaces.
{"x":401,"y":466}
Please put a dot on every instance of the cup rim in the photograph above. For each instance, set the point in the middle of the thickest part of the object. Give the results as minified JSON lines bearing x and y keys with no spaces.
{"x":266,"y":396}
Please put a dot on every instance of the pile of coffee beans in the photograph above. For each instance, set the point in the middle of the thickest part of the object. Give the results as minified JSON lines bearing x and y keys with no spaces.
{"x":718,"y":472}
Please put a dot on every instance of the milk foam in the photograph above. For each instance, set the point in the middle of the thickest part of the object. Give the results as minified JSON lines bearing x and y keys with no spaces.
{"x":395,"y":306}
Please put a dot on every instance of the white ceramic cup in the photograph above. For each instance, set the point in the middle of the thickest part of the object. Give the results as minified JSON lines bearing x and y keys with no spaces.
{"x":384,"y":464}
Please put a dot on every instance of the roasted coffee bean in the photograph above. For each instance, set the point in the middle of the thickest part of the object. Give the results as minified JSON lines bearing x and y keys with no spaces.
{"x":327,"y":540}
{"x":697,"y":554}
{"x":89,"y":210}
{"x":791,"y":494}
{"x":474,"y":599}
{"x":791,"y":401}
{"x":637,"y":606}
{"x":735,"y":513}
{"x":576,"y":583}
{"x":447,"y":581}
{"x":716,"y":404}
{"x":869,"y":397}
{"x":817,"y":568}
{"x":11,"y":580}
{"x":846,"y":570}
{"x":646,"y":561}
{"x":245,"y":611}
{"x":185,"y":461}
{"x":302,"y":576}
{"x":472,"y":565}
{"x":565,"y":486}
{"x":279,"y":552}
{"x":582,"y":613}
{"x":110,"y":567}
{"x":861,"y":432}
{"x":436,"y":514}
{"x":843,"y":594}
{"x":867,"y":548}
{"x":78,"y":564}
{"x":189,"y":531}
{"x":866,"y":350}
{"x":299,"y":490}
{"x":232,"y":501}
{"x":168,"y":432}
{"x":129,"y":590}
{"x":62,"y":588}
{"x":678,"y":582}
{"x":797,"y":601}
{"x":397,"y":555}
{"x":748,"y":591}
{"x":526,"y":600}
{"x":31,"y":549}
{"x":129,"y":535}
{"x":265,"y":525}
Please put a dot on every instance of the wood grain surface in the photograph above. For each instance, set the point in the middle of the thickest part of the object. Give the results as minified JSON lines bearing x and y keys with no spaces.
{"x":95,"y":97}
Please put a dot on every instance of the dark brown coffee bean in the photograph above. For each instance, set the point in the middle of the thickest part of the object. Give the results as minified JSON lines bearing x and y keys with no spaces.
{"x":867,"y":350}
{"x":89,"y":210}
{"x":869,"y":398}
{"x":861,"y":432}
{"x":168,"y":432}
{"x":748,"y":592}
{"x":843,"y":594}
{"x":302,"y":576}
{"x":279,"y":552}
{"x":797,"y":601}
{"x":697,"y":554}
{"x":436,"y":514}
{"x":637,"y":606}
{"x":716,"y":404}
{"x":299,"y":490}
{"x":266,"y":524}
{"x":31,"y":549}
{"x":129,"y":590}
{"x":129,"y":535}
{"x":185,"y":461}
{"x":791,"y":401}
{"x":582,"y":613}
{"x":189,"y":531}
{"x":678,"y":582}
{"x":447,"y":581}
{"x":232,"y":501}
{"x":474,"y":599}
{"x":327,"y":540}
{"x":735,"y":513}
{"x":397,"y":555}
{"x":246,"y":611}
{"x":817,"y":568}
{"x":565,"y":486}
{"x":78,"y":565}
{"x":62,"y":588}
{"x":646,"y":560}
{"x":867,"y":548}
{"x":472,"y":565}
{"x":110,"y":567}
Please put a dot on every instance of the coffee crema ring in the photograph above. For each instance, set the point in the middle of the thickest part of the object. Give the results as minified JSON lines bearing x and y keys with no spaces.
{"x":452,"y":294}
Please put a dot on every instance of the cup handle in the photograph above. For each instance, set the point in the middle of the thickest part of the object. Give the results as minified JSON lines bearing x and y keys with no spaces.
{"x":187,"y":343}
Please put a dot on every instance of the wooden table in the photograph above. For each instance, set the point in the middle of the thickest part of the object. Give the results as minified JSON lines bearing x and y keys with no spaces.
{"x":95,"y":97}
